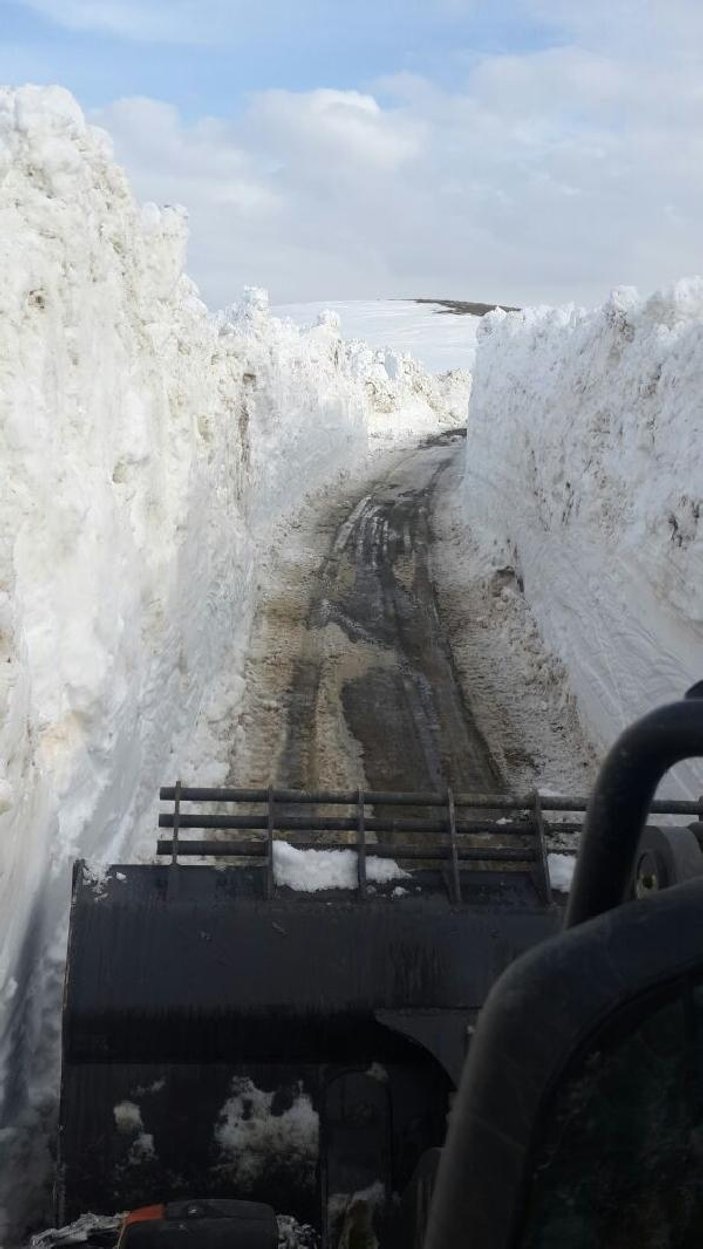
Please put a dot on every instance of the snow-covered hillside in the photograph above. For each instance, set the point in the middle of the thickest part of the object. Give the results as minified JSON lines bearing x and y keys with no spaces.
{"x":583,"y":474}
{"x":440,"y":339}
{"x":147,"y":450}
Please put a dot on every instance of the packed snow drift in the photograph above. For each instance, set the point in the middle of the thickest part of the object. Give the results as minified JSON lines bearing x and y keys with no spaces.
{"x":583,"y":479}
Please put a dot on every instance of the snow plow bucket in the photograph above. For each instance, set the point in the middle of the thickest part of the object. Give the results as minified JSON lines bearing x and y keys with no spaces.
{"x":229,"y":1037}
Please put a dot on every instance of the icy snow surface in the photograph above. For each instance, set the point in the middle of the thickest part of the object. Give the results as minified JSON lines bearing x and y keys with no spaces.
{"x":441,"y":340}
{"x":561,"y":871}
{"x":583,"y":482}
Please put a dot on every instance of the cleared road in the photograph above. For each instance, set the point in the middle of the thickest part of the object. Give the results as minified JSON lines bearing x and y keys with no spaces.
{"x":390,"y":667}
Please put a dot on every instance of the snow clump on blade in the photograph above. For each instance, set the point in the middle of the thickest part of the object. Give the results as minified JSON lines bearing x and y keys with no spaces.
{"x":255,"y":1136}
{"x":128,"y":1117}
{"x":309,"y":871}
{"x":561,"y":871}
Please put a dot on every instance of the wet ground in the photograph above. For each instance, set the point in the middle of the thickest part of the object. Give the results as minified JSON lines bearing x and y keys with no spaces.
{"x":373,"y":644}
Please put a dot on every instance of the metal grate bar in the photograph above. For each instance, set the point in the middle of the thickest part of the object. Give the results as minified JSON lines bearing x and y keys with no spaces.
{"x":336,"y":797}
{"x":384,"y":850}
{"x":453,"y":847}
{"x":176,"y":820}
{"x":339,"y":824}
{"x":361,"y":848}
{"x":542,"y":880}
{"x":269,"y":847}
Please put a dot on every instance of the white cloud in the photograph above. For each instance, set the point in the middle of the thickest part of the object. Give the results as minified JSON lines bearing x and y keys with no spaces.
{"x":633,"y":27}
{"x":553,"y":174}
{"x":334,"y":131}
{"x":191,"y":164}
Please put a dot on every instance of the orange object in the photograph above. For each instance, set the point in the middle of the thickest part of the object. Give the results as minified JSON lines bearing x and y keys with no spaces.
{"x":144,"y":1214}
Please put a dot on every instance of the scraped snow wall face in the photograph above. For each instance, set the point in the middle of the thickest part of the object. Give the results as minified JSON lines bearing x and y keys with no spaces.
{"x":146,"y":449}
{"x":583,"y":473}
{"x":118,"y":470}
{"x":301,"y":414}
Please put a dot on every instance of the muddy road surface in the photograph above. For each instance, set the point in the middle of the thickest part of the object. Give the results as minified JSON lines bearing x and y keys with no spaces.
{"x":354,"y":681}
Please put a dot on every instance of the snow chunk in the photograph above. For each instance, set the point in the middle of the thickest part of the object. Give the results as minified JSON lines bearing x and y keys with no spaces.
{"x":352,"y":1215}
{"x":46,"y":109}
{"x":561,"y":871}
{"x":128,"y":1117}
{"x":309,"y":871}
{"x":254,"y":1135}
{"x":295,"y":1235}
{"x":78,"y":1232}
{"x":95,"y":874}
{"x":142,"y":1149}
{"x":383,"y":870}
{"x":157,"y":1086}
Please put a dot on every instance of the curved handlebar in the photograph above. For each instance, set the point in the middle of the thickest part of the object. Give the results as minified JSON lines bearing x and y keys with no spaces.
{"x":621,"y":799}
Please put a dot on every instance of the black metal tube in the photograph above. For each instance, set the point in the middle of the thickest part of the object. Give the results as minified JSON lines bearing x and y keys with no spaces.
{"x":338,"y":797}
{"x":454,"y":846}
{"x":341,"y":823}
{"x":361,"y":843}
{"x":621,"y":801}
{"x":270,"y":878}
{"x":543,"y":882}
{"x":258,"y":850}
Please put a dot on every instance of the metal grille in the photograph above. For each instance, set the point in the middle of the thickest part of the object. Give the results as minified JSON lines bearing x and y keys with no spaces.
{"x":459,"y":832}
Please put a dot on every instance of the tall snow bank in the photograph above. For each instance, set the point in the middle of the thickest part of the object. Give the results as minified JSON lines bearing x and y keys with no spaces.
{"x":119,"y":573}
{"x":302,"y":414}
{"x":147,"y":449}
{"x":583,"y":474}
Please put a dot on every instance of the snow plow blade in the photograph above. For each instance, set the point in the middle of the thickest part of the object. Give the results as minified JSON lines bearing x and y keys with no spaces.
{"x":228,"y":1037}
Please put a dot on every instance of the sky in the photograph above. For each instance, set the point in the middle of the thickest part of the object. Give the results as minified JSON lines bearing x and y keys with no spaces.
{"x":519,"y":151}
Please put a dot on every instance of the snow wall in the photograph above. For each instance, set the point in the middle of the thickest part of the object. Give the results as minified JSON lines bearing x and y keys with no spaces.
{"x":583,"y":474}
{"x":147,"y":449}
